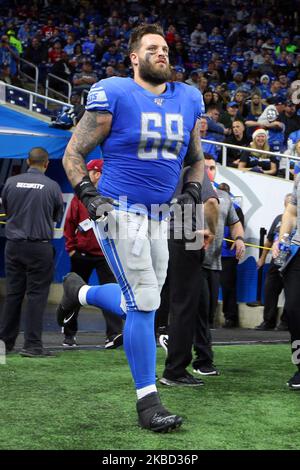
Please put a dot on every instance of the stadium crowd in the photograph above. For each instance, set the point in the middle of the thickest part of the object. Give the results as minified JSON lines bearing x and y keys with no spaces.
{"x":243,"y":56}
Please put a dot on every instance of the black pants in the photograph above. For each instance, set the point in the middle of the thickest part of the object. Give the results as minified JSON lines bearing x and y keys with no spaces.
{"x":273,"y":288}
{"x":29,"y":269}
{"x":83,"y":265}
{"x":206,"y":311}
{"x":162,"y":313}
{"x":291,"y":280}
{"x":184,"y":280}
{"x":228,"y":283}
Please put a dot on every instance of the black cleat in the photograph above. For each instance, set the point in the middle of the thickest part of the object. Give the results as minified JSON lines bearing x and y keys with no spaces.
{"x":153,"y":416}
{"x":294,"y":382}
{"x":114,"y":341}
{"x":69,"y":305}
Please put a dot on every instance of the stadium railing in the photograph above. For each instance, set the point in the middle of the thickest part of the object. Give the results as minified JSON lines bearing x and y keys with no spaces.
{"x":33,"y":100}
{"x":53,"y":90}
{"x":24,"y":64}
{"x":225,"y":146}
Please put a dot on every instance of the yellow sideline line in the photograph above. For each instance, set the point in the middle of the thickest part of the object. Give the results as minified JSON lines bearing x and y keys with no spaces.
{"x":249,"y":244}
{"x":225,"y":239}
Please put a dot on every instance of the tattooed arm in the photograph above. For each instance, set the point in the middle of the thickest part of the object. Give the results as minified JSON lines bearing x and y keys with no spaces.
{"x":91,"y":130}
{"x":195,"y":157}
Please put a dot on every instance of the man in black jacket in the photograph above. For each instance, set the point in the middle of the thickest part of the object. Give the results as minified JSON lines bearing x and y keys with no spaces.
{"x":32,"y":202}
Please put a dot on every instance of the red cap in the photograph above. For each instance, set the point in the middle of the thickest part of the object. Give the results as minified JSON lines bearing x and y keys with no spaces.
{"x":95,"y":165}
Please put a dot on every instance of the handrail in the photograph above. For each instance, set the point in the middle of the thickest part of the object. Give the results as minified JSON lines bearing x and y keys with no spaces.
{"x":249,"y":149}
{"x":84,"y":92}
{"x":68,"y":96}
{"x":33,"y":94}
{"x":36,"y":70}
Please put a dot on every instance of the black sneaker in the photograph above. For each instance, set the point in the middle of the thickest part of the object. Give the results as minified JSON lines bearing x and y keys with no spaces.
{"x":69,"y":342}
{"x":164,"y":341}
{"x":152,"y":415}
{"x":114,"y":341}
{"x":69,"y":305}
{"x":265,"y":326}
{"x":209,"y":369}
{"x":36,"y":353}
{"x":187,"y":380}
{"x":294,"y":382}
{"x":230,"y":324}
{"x":282,"y":327}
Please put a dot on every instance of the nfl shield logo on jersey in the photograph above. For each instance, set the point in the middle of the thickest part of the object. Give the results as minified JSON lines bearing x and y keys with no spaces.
{"x":158,"y":101}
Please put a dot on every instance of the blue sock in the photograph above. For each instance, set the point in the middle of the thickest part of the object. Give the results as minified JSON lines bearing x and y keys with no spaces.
{"x":140,"y":347}
{"x":107,"y":297}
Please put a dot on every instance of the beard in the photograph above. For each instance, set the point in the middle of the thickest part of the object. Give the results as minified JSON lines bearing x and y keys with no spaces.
{"x":152,"y":75}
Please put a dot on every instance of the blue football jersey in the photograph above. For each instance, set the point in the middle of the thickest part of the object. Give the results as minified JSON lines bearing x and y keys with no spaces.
{"x":149,"y":137}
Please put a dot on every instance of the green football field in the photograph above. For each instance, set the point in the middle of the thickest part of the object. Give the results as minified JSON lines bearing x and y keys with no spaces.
{"x":86,"y":400}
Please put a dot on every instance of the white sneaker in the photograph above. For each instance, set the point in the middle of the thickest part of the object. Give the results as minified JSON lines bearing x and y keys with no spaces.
{"x":163,"y":341}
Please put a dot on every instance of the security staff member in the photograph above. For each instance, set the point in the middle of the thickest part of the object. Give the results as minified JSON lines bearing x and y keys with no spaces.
{"x":32,"y":202}
{"x":181,"y":293}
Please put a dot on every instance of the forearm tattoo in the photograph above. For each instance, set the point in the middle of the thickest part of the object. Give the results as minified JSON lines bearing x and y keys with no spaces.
{"x":194,"y":152}
{"x":92,"y":129}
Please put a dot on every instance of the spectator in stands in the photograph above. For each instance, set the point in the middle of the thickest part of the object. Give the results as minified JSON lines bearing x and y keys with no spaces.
{"x":179,"y":74}
{"x":78,"y":57}
{"x":218,"y":101}
{"x":230,"y":115}
{"x":274,"y":281}
{"x":233,"y":69}
{"x":61,"y":69}
{"x":207,"y":147}
{"x":25,"y":33}
{"x":112,"y":57}
{"x":36,"y":52}
{"x":203,"y":82}
{"x":240,"y":98}
{"x":70,"y":46}
{"x":269,"y":120}
{"x":8,"y":55}
{"x":86,"y":78}
{"x":216,"y":130}
{"x":238,"y":79}
{"x":8,"y":78}
{"x":228,"y":277}
{"x":207,"y":98}
{"x":255,"y":161}
{"x":16,"y":43}
{"x":193,"y":79}
{"x":48,"y":29}
{"x":267,"y":67}
{"x":198,"y":37}
{"x":215,"y":36}
{"x":110,"y":72}
{"x":55,"y":52}
{"x":256,"y":109}
{"x":264,"y":86}
{"x":89,"y":45}
{"x":237,"y":137}
{"x":290,"y":118}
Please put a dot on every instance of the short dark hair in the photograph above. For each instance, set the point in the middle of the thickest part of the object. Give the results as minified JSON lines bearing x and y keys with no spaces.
{"x":140,"y":31}
{"x":224,"y":187}
{"x":208,"y":156}
{"x":38,"y":156}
